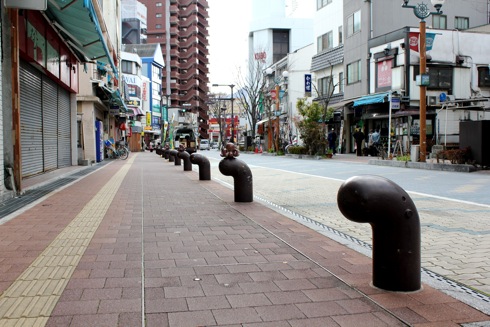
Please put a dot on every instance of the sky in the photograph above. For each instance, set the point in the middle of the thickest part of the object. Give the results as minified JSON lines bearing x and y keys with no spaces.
{"x":229,"y":22}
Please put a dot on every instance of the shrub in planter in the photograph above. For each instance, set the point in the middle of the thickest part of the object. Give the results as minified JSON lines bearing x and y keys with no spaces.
{"x":297,"y":149}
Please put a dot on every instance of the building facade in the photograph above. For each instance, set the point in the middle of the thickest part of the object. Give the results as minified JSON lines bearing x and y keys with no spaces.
{"x":180,"y":27}
{"x":275,"y":31}
{"x":348,"y":58}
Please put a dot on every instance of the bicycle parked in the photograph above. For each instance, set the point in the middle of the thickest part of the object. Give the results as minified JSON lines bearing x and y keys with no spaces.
{"x":117,"y":151}
{"x":380,"y":150}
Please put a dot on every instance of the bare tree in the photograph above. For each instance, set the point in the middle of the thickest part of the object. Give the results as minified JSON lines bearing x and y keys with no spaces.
{"x":216,"y":101}
{"x":324,"y":97}
{"x":249,"y":95}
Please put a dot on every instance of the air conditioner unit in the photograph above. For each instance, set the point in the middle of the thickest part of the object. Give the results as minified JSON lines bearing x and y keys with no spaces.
{"x":432,"y":100}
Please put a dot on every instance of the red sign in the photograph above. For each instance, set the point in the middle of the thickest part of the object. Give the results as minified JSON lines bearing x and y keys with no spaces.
{"x":413,"y":40}
{"x":273,"y":94}
{"x":384,"y":73}
{"x":260,"y":56}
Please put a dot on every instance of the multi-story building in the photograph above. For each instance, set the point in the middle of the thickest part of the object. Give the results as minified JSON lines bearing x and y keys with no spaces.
{"x":48,"y":96}
{"x":275,"y":32}
{"x":180,"y":26}
{"x":346,"y":58}
{"x":152,"y":67}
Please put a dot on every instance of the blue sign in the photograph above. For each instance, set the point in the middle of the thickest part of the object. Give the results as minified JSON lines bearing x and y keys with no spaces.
{"x":307,"y":83}
{"x":395,"y":103}
{"x":442,"y":97}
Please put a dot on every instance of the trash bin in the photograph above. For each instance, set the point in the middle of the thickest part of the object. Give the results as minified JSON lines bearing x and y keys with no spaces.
{"x":415,"y":153}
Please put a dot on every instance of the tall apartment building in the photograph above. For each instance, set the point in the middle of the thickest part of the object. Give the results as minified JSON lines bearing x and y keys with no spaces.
{"x":181,"y":28}
{"x":277,"y":29}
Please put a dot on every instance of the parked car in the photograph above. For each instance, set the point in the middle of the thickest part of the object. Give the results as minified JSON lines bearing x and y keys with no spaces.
{"x":204,"y":145}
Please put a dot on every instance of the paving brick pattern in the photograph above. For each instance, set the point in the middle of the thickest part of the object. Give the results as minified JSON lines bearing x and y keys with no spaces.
{"x":175,"y":251}
{"x":455,"y":235}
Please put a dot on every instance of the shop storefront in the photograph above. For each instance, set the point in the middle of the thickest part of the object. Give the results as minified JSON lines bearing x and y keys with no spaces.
{"x":48,"y":82}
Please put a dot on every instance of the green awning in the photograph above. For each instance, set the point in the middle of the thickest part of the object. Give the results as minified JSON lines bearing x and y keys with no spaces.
{"x":77,"y":22}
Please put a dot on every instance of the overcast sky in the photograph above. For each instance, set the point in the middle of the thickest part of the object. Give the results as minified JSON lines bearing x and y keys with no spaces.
{"x":229,"y":22}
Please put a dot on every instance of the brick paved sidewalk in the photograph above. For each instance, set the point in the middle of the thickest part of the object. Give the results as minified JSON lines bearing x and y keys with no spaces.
{"x":143,"y":241}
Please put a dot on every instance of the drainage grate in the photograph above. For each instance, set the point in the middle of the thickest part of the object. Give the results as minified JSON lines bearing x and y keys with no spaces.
{"x":453,"y":284}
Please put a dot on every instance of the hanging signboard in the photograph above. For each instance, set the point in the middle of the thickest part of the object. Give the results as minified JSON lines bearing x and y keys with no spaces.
{"x":395,"y":103}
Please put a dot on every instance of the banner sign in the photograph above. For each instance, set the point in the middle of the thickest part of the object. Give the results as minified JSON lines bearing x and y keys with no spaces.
{"x":414,"y":40}
{"x":384,"y":73}
{"x":307,"y":83}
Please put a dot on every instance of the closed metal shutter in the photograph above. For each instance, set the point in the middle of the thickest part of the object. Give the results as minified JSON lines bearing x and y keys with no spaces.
{"x":31,"y":136}
{"x":50,"y":124}
{"x":64,"y":128}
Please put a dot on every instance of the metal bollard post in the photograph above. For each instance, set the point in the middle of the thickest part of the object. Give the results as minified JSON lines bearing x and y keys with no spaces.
{"x":396,"y":229}
{"x":242,"y":175}
{"x":166,"y":150}
{"x":186,"y":157}
{"x":204,"y":166}
{"x":173,"y":157}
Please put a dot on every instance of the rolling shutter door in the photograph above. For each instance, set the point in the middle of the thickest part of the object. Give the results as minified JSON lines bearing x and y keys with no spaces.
{"x":64,"y":128}
{"x":31,"y":136}
{"x":50,"y":122}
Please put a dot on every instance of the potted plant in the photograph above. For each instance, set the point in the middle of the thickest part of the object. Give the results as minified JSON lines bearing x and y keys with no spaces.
{"x":329,"y":153}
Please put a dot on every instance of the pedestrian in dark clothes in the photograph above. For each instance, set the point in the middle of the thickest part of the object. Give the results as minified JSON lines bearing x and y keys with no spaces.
{"x":359,"y":137}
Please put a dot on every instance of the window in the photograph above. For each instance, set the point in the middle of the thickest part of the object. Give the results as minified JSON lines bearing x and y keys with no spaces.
{"x":322,"y":3}
{"x":484,"y":76}
{"x":280,"y":44}
{"x":439,"y":21}
{"x":158,"y":26}
{"x":156,"y":73}
{"x":158,"y":4}
{"x":440,"y":78}
{"x":340,"y":34}
{"x":127,"y":67}
{"x":461,"y":23}
{"x":341,"y":82}
{"x":354,"y":23}
{"x":325,"y":86}
{"x":354,"y":72}
{"x":325,"y":41}
{"x":158,"y":15}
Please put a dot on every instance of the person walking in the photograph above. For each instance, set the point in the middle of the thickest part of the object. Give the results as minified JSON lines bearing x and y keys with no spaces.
{"x":359,"y":137}
{"x":332,"y":138}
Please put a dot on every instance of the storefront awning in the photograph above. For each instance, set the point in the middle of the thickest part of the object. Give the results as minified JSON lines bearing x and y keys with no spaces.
{"x":370,"y":99}
{"x":76,"y":21}
{"x":115,"y":98}
{"x":136,"y":111}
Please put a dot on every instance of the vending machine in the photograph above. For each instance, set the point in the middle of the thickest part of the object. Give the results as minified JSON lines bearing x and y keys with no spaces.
{"x":99,"y":141}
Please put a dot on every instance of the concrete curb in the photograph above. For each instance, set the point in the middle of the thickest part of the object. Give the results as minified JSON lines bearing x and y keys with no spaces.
{"x":423,"y":165}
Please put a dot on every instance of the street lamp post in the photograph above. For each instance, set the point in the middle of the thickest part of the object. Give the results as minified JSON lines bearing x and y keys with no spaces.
{"x":231,"y":86}
{"x":223,"y":125}
{"x":165,"y":117}
{"x":422,"y":11}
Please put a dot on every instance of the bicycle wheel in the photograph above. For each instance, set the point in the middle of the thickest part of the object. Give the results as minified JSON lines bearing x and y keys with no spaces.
{"x":123,"y":153}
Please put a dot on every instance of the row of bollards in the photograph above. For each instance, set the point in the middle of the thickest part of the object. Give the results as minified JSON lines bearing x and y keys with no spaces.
{"x":228,"y":166}
{"x":365,"y":199}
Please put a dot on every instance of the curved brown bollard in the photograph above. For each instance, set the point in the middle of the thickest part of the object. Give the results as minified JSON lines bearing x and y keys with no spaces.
{"x":204,"y":166}
{"x":186,"y":157}
{"x":396,"y":229}
{"x":173,"y":157}
{"x":239,"y":170}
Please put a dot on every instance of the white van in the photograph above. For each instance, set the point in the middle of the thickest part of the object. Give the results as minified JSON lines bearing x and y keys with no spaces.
{"x":204,"y":145}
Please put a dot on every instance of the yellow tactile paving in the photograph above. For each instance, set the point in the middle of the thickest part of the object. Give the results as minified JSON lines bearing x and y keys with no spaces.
{"x":30,"y":300}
